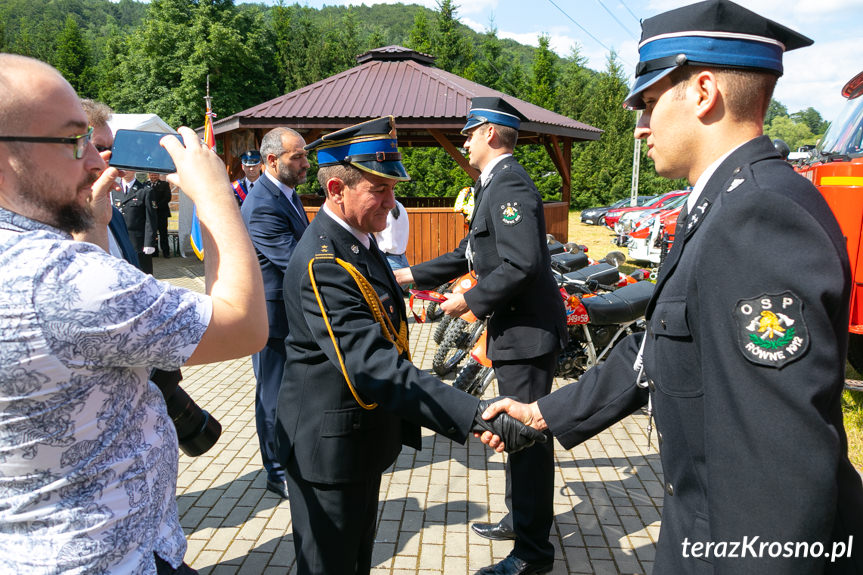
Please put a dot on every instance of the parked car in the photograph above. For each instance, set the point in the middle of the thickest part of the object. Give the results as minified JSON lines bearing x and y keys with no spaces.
{"x":636,"y":219}
{"x":596,"y":216}
{"x":612,"y":216}
{"x":646,"y":242}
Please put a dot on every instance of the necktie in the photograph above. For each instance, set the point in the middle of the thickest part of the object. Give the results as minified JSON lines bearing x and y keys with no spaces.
{"x":298,"y":205}
{"x":477,"y":190}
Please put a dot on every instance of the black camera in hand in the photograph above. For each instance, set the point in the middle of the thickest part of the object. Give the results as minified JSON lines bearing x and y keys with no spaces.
{"x":197,"y":430}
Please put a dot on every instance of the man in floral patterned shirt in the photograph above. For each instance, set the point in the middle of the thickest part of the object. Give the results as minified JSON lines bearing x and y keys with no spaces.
{"x":88,"y":454}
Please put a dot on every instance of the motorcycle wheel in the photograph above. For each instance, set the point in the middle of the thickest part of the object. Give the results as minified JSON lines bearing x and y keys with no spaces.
{"x":466,"y":375}
{"x":452,"y":349}
{"x":440,"y":328}
{"x":484,"y":379}
{"x":433,"y":310}
{"x":474,"y":378}
{"x":855,"y":352}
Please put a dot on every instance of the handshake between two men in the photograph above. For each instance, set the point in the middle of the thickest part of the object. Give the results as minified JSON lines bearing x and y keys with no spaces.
{"x":507,"y":425}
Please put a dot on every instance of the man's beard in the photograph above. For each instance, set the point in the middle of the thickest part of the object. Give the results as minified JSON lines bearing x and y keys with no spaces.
{"x":288,"y":177}
{"x":68,"y":216}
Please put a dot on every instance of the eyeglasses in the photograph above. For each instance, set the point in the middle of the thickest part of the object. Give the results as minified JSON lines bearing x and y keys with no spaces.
{"x":79,"y":141}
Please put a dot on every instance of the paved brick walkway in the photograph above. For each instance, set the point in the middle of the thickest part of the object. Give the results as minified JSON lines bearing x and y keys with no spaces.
{"x":608,"y":491}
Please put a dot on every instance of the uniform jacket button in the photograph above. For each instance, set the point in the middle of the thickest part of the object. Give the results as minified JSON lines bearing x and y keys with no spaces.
{"x":451,"y":430}
{"x":669,"y":488}
{"x":663,"y":324}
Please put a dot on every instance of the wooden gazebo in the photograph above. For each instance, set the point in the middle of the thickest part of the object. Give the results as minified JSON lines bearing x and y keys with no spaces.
{"x":430,"y":106}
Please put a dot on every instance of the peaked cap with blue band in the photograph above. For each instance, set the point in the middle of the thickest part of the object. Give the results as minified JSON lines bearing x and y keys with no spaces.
{"x":716,"y":33}
{"x":491,"y":110}
{"x":251,"y":158}
{"x":369,"y":146}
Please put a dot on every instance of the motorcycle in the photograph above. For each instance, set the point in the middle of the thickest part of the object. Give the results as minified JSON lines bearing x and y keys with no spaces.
{"x":597,"y":321}
{"x":602,"y":307}
{"x":458,"y":285}
{"x":457,"y":336}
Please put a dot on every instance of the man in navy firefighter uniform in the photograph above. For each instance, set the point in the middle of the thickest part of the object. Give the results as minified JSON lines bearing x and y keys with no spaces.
{"x":506,"y":246}
{"x":350,"y":397}
{"x":252,"y":164}
{"x":743,"y":360}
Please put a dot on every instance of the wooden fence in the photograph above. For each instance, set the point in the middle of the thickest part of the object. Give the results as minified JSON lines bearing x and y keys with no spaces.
{"x":437,"y":229}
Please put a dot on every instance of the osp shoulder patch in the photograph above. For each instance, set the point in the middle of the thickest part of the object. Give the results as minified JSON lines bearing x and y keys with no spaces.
{"x":771,"y":330}
{"x":510,"y":214}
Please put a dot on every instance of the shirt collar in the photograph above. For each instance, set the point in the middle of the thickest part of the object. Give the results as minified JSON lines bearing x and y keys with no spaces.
{"x":361,"y":237}
{"x":16,"y":222}
{"x":282,"y":187}
{"x":490,"y":166}
{"x":705,"y":176}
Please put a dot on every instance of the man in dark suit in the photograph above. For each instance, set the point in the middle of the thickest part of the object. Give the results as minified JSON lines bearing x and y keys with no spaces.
{"x":141,"y":219}
{"x":506,"y":246}
{"x":159,"y":196}
{"x":744,"y":356}
{"x":350,"y":397}
{"x":275,"y":218}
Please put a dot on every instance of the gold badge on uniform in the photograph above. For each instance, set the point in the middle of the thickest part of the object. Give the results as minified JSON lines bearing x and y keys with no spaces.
{"x":770,"y":329}
{"x":355,"y":249}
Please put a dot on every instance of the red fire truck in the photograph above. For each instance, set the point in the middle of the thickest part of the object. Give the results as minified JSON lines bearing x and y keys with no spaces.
{"x":836,"y":169}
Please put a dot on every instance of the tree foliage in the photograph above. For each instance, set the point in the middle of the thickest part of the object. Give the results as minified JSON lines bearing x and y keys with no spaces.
{"x":155,"y":57}
{"x":792,"y":133}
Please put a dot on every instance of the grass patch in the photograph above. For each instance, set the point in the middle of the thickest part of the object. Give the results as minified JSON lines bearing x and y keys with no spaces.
{"x":852,"y":414}
{"x":598,"y":240}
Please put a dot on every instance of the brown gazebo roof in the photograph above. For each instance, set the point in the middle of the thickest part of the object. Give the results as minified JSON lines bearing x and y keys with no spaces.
{"x":397,"y":81}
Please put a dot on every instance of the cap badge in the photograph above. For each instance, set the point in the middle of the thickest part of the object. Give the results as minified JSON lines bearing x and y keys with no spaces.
{"x":355,"y":249}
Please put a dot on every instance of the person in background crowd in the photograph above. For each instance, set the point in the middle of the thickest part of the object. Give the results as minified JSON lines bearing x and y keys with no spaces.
{"x":141,"y":218}
{"x":275,"y":220}
{"x":159,"y":196}
{"x":252,"y":166}
{"x":393,"y":239}
{"x":119,"y":242}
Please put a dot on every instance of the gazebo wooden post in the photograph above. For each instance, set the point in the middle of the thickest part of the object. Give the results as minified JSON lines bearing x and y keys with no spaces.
{"x":566,"y":192}
{"x":454,"y":153}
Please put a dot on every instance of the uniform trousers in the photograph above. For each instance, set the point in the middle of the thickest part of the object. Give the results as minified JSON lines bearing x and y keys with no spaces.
{"x":334,"y":525}
{"x":530,"y":472}
{"x":268,"y":366}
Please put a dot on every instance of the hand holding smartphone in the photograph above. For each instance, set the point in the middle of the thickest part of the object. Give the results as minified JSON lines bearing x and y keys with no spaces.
{"x":137,"y":150}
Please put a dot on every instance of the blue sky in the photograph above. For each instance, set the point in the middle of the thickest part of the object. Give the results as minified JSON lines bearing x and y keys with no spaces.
{"x":813,"y":76}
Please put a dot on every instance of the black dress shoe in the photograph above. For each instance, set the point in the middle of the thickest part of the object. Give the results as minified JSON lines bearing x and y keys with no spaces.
{"x":512,"y":565}
{"x":493,"y":531}
{"x":280,"y":488}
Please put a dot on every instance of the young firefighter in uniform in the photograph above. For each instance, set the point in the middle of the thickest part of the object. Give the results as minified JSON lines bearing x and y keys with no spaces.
{"x":350,"y":397}
{"x":742,"y":364}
